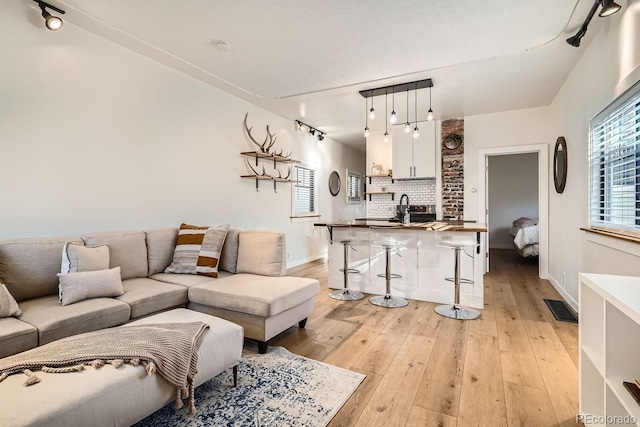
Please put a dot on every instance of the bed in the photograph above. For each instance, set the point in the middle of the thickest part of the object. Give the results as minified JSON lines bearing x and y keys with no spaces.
{"x":525,"y":236}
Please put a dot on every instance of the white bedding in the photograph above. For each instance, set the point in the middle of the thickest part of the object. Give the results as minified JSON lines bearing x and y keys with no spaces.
{"x":525,"y":236}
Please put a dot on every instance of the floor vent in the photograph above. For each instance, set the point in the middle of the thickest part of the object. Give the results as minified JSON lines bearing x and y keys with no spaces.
{"x":560,"y":311}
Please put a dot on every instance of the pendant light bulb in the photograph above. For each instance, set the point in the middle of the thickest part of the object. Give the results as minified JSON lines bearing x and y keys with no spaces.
{"x":407,"y":127}
{"x":386,"y":137}
{"x":366,"y":132}
{"x":372,"y":113}
{"x":430,"y":115}
{"x":415,"y":134}
{"x":394,"y":117}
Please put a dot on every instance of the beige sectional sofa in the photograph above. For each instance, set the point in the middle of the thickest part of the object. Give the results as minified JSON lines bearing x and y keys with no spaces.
{"x":251,"y":289}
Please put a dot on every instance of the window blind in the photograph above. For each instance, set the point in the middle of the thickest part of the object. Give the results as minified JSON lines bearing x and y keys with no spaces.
{"x":304,"y":191}
{"x":354,"y":188}
{"x":614,"y":165}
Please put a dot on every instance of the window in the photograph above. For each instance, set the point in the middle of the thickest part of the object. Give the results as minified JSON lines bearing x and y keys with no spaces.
{"x":304,"y":191}
{"x":614,"y":166}
{"x":354,"y":188}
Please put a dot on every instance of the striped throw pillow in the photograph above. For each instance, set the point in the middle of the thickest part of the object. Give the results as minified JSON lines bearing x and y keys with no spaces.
{"x":198,"y":250}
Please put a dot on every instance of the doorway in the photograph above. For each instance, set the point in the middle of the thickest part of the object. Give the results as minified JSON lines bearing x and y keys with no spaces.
{"x":488,"y":158}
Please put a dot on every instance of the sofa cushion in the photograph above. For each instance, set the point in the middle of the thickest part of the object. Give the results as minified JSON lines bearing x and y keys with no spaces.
{"x":84,"y":285}
{"x":16,"y":336}
{"x":29,"y":266}
{"x":127,"y":250}
{"x":161,"y":244}
{"x":186,"y":280}
{"x":8,"y":305}
{"x":81,"y":258}
{"x":198,"y":250}
{"x":253,"y":294}
{"x":229,"y":256}
{"x":55,"y":321}
{"x":146,"y":296}
{"x":262,"y":252}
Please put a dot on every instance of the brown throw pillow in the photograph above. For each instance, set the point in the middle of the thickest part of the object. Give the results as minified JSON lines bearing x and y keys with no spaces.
{"x":8,"y":305}
{"x":198,"y":250}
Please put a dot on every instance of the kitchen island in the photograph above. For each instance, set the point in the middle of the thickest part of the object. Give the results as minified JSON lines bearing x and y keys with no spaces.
{"x":418,"y":258}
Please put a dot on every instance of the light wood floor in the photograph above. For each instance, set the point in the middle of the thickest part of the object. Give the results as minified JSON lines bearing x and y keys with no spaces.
{"x":516,"y":366}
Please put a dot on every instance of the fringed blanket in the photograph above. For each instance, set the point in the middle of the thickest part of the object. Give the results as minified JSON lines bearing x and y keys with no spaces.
{"x":169,"y":348}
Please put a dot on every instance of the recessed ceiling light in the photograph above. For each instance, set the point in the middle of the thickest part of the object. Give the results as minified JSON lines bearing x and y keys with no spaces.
{"x":221,"y":45}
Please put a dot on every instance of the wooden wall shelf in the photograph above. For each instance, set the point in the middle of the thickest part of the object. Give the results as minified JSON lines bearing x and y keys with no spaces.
{"x":276,"y":159}
{"x":259,"y":178}
{"x":381,"y":192}
{"x":380,"y":176}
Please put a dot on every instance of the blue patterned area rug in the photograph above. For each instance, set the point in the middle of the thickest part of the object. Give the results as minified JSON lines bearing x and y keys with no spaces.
{"x":274,"y":389}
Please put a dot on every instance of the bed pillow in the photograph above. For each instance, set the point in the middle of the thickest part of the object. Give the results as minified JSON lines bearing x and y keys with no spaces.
{"x":83,"y":285}
{"x":8,"y":305}
{"x":76,"y":258}
{"x":198,"y":250}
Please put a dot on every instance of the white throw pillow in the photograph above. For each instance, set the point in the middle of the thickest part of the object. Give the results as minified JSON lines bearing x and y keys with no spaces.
{"x":76,"y":258}
{"x":8,"y":305}
{"x":83,"y":285}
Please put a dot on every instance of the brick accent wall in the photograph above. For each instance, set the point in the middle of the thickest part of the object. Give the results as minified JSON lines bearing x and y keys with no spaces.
{"x":453,"y":172}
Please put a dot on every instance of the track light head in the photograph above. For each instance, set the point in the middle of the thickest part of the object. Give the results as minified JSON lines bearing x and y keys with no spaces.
{"x":609,"y":7}
{"x":320,"y":136}
{"x":53,"y":23}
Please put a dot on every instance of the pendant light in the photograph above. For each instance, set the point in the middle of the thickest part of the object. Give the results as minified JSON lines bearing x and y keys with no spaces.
{"x":372,"y":112}
{"x":393,"y":119}
{"x":407,"y":126}
{"x":366,"y":118}
{"x":416,"y":134}
{"x":386,"y":123}
{"x":430,"y":112}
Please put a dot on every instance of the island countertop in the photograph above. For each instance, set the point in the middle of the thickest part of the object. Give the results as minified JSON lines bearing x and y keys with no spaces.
{"x":423,"y":226}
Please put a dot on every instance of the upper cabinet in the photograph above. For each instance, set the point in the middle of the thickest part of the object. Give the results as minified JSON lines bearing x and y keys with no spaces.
{"x":378,"y":152}
{"x":414,"y":158}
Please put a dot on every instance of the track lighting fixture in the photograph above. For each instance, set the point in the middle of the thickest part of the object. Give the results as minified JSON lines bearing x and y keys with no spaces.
{"x":303,"y":127}
{"x":430,"y":112}
{"x":609,"y":7}
{"x":54,"y":23}
{"x":393,"y":118}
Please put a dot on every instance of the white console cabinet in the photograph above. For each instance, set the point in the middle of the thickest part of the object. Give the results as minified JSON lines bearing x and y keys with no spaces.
{"x":609,"y":334}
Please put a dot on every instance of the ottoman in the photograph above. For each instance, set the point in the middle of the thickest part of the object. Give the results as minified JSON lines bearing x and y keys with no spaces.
{"x":115,"y":397}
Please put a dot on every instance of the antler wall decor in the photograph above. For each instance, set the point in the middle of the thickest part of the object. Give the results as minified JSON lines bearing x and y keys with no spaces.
{"x":268,"y":141}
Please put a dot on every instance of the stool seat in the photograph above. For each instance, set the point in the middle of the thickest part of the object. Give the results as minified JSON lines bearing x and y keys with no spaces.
{"x":389,"y":244}
{"x":346,"y":294}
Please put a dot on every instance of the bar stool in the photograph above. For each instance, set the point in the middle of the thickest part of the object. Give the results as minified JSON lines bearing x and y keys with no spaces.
{"x":345,"y":294}
{"x":389,"y":244}
{"x":455,"y":310}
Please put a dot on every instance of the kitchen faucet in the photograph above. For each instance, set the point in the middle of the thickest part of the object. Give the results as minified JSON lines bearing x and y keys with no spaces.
{"x":404,"y":216}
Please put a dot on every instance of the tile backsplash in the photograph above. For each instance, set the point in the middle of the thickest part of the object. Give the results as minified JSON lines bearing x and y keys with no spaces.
{"x":420,"y":192}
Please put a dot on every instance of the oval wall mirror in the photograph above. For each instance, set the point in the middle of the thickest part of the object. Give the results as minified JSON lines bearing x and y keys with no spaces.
{"x":560,"y":164}
{"x":334,"y":183}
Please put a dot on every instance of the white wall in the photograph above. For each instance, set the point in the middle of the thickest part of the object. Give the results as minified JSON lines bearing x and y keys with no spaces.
{"x":513,"y":193}
{"x":96,"y":137}
{"x":608,"y":66}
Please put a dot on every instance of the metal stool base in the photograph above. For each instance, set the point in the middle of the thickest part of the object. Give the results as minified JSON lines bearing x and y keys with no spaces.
{"x":456,"y":311}
{"x":346,"y":295}
{"x":388,"y":301}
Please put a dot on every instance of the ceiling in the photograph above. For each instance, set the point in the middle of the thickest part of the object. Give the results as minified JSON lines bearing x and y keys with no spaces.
{"x":307,"y":60}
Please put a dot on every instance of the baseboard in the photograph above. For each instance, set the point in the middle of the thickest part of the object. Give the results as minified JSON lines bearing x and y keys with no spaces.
{"x":500,"y":245}
{"x":572,"y":303}
{"x":300,"y":261}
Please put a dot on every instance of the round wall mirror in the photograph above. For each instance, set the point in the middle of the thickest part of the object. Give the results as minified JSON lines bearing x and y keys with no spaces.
{"x":334,"y":183}
{"x":560,"y":164}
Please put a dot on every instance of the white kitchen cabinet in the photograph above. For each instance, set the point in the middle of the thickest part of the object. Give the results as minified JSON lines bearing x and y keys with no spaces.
{"x":414,"y":158}
{"x":609,"y":348}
